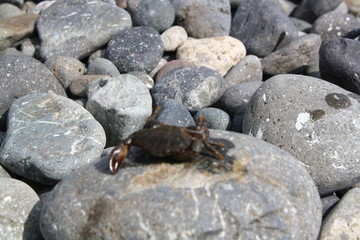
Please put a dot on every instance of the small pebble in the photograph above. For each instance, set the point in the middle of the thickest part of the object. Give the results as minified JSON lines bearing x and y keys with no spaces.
{"x":102,"y":66}
{"x":173,"y":38}
{"x":216,"y":118}
{"x":9,"y":10}
{"x":78,"y":87}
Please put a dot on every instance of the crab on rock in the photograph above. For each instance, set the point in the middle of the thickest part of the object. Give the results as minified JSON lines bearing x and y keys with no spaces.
{"x":161,"y":140}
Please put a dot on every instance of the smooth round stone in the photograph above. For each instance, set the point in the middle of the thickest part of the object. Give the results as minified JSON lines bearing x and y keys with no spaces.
{"x":205,"y":198}
{"x":65,"y":69}
{"x":246,"y":70}
{"x":216,"y":118}
{"x":203,"y":18}
{"x":41,"y":6}
{"x":173,"y":37}
{"x":328,"y":203}
{"x":315,"y":121}
{"x":171,"y":66}
{"x":173,"y":112}
{"x":340,"y":63}
{"x":102,"y":66}
{"x":310,"y":10}
{"x":79,"y":27}
{"x":218,"y":53}
{"x":195,"y":87}
{"x":301,"y":25}
{"x":9,"y":10}
{"x":20,"y":211}
{"x":121,"y":104}
{"x":158,"y":14}
{"x":135,"y":49}
{"x":48,"y":137}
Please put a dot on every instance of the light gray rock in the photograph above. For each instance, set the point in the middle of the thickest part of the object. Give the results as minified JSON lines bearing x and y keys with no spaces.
{"x":144,"y":77}
{"x":20,"y":211}
{"x":315,"y":121}
{"x":122,"y":106}
{"x":48,"y":137}
{"x":259,"y":191}
{"x":216,"y":118}
{"x":3,"y":173}
{"x":102,"y":66}
{"x":9,"y":10}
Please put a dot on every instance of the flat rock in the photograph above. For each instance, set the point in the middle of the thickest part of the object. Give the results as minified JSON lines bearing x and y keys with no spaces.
{"x":195,"y":87}
{"x":306,"y":117}
{"x":262,"y":31}
{"x":216,"y":118}
{"x":173,"y":112}
{"x":258,"y":191}
{"x":14,"y":29}
{"x":102,"y":66}
{"x":122,"y":106}
{"x":173,"y":37}
{"x":296,"y":57}
{"x":20,"y":211}
{"x":218,"y":53}
{"x":79,"y":27}
{"x":203,"y":18}
{"x":135,"y":49}
{"x":343,"y":221}
{"x":21,"y":75}
{"x":340,"y":63}
{"x":48,"y":137}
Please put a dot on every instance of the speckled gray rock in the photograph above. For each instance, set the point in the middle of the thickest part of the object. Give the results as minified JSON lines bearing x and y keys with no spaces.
{"x":203,"y":18}
{"x":246,"y":70}
{"x":77,"y":28}
{"x":315,"y":121}
{"x":173,"y":112}
{"x":340,"y":63}
{"x":102,"y":66}
{"x":296,"y":57}
{"x":20,"y":211}
{"x":9,"y":10}
{"x":259,"y":191}
{"x":309,"y":10}
{"x":216,"y":118}
{"x":48,"y":137}
{"x":158,"y":14}
{"x":195,"y":87}
{"x":343,"y":221}
{"x":3,"y":173}
{"x":21,"y":75}
{"x":262,"y":31}
{"x":135,"y":49}
{"x":122,"y":106}
{"x":65,"y":69}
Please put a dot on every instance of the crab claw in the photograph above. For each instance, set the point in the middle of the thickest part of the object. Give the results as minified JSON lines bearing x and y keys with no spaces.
{"x":118,"y":154}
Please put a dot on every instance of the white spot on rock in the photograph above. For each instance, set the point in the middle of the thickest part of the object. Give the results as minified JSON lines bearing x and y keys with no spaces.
{"x":301,"y":120}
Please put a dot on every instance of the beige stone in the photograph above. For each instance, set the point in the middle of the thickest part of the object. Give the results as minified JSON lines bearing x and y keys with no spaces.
{"x":173,"y":38}
{"x":354,"y":6}
{"x":218,"y":53}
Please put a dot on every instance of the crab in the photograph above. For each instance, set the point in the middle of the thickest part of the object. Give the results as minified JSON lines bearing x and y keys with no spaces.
{"x":172,"y":142}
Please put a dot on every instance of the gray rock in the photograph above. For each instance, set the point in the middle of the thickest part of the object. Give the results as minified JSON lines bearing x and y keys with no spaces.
{"x":216,"y":118}
{"x":301,"y":25}
{"x":144,"y":77}
{"x":30,"y":47}
{"x":21,"y":75}
{"x":158,"y":14}
{"x":237,"y":121}
{"x":102,"y":66}
{"x":262,"y":31}
{"x":41,"y":6}
{"x":315,"y":121}
{"x":9,"y":10}
{"x":173,"y":112}
{"x":79,"y":87}
{"x":259,"y":191}
{"x":310,"y":10}
{"x":343,"y":221}
{"x":48,"y":137}
{"x":246,"y":70}
{"x":20,"y":211}
{"x":135,"y":49}
{"x":77,"y":28}
{"x":122,"y":106}
{"x":328,"y":203}
{"x":15,"y":2}
{"x":10,"y":51}
{"x":203,"y":18}
{"x":65,"y":69}
{"x":3,"y":173}
{"x":195,"y":87}
{"x":296,"y":57}
{"x":340,"y":63}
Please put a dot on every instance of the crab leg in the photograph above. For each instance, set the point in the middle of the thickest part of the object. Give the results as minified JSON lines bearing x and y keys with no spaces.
{"x":214,"y":151}
{"x":117,"y":156}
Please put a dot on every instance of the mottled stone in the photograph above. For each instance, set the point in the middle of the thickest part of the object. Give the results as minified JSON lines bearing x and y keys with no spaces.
{"x":216,"y":118}
{"x":171,"y":66}
{"x":218,"y":53}
{"x":173,"y":38}
{"x":49,"y":137}
{"x":258,"y":191}
{"x":313,"y":120}
{"x":77,"y":28}
{"x":102,"y":66}
{"x":78,"y":87}
{"x":173,"y":112}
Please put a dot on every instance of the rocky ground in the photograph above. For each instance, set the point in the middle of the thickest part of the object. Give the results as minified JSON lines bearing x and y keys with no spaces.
{"x":277,"y":80}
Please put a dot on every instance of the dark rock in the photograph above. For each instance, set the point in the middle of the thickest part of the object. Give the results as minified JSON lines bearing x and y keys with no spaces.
{"x":77,"y":28}
{"x":301,"y":25}
{"x":328,"y":203}
{"x":262,"y":31}
{"x":48,"y":137}
{"x":195,"y":87}
{"x":135,"y":49}
{"x":238,"y":120}
{"x":257,"y":191}
{"x":203,"y":18}
{"x":340,"y":63}
{"x":310,"y":10}
{"x":313,"y":120}
{"x":296,"y":57}
{"x":216,"y":118}
{"x":173,"y":112}
{"x":21,"y":75}
{"x":102,"y":66}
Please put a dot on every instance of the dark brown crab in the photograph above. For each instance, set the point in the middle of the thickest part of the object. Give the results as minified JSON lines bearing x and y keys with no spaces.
{"x":178,"y":143}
